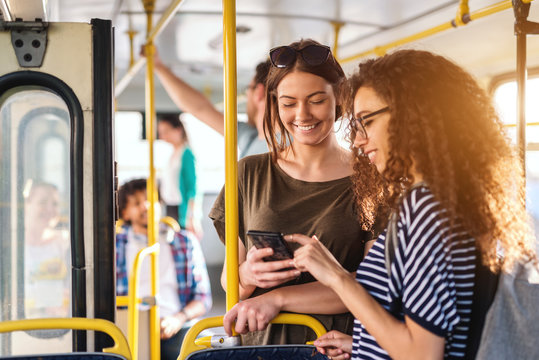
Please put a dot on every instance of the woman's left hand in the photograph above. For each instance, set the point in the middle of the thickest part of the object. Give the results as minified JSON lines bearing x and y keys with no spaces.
{"x":253,"y":314}
{"x":315,"y":258}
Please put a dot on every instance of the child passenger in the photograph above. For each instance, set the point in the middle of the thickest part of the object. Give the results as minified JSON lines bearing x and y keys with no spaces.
{"x":422,"y":121}
{"x":303,"y":185}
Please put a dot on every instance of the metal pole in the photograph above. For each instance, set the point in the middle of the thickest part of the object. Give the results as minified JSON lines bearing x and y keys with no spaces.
{"x":522,"y":75}
{"x":231,"y":153}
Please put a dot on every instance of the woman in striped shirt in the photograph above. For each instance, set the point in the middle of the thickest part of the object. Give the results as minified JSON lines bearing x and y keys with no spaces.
{"x":453,"y":178}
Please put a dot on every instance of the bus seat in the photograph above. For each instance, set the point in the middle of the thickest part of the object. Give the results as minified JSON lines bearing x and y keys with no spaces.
{"x":120,"y":350}
{"x":67,"y":356}
{"x":265,"y":352}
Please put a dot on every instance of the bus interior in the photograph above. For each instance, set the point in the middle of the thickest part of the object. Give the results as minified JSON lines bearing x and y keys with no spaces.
{"x":89,"y":134}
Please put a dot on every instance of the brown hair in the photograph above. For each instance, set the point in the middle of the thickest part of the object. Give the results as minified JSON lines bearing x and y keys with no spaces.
{"x":330,"y":70}
{"x":446,"y":123}
{"x":173,"y":119}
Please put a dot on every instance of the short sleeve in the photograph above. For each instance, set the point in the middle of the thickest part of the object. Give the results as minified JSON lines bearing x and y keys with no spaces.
{"x":217,"y":213}
{"x":422,"y":274}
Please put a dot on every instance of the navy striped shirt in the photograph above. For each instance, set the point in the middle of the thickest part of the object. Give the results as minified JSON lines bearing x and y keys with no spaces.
{"x":432,"y":276}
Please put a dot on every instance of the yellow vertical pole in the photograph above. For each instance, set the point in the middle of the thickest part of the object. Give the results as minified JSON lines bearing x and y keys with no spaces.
{"x":336,"y":30}
{"x":151,"y":183}
{"x":231,"y":156}
{"x":131,"y":34}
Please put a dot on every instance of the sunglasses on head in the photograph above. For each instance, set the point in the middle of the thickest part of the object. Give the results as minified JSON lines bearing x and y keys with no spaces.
{"x":314,"y":55}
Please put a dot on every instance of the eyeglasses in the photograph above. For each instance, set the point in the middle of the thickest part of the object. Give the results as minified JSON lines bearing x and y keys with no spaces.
{"x":314,"y":55}
{"x":359,"y":124}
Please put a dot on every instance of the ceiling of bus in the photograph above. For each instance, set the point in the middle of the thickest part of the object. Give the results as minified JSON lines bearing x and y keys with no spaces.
{"x":192,"y":42}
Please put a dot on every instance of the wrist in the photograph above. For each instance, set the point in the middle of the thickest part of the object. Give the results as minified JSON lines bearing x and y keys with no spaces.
{"x":340,"y":279}
{"x":278,"y":298}
{"x":183,"y":316}
{"x":241,"y":278}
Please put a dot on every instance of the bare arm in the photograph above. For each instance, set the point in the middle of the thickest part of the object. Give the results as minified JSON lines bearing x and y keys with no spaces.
{"x":402,"y":340}
{"x":255,"y":314}
{"x":170,"y":325}
{"x":189,"y":99}
{"x":254,"y":272}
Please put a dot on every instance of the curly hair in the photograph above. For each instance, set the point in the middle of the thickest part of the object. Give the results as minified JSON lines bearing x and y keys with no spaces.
{"x":444,"y":124}
{"x":330,"y":70}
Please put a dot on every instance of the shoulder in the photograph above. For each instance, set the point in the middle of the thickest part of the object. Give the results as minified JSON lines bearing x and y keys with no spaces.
{"x":181,"y":241}
{"x":419,"y":203}
{"x":121,"y":234}
{"x":244,"y":127}
{"x":255,"y":163}
{"x":188,"y":153}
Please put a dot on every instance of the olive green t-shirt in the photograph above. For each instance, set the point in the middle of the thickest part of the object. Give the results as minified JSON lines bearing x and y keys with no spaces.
{"x":271,"y":200}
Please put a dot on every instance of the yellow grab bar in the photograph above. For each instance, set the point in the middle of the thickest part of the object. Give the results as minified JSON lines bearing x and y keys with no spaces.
{"x":191,"y":344}
{"x":134,"y":300}
{"x":171,"y":222}
{"x":381,"y":50}
{"x":120,"y":343}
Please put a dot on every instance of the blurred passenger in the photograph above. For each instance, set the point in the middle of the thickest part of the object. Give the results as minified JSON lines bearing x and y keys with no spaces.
{"x":46,"y":254}
{"x":178,"y":185}
{"x":303,"y":185}
{"x":250,"y":134}
{"x":456,"y":186}
{"x":184,"y":287}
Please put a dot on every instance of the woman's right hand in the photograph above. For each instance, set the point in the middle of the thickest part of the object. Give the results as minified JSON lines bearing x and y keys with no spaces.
{"x":254,"y":271}
{"x":335,"y":345}
{"x":156,"y":59}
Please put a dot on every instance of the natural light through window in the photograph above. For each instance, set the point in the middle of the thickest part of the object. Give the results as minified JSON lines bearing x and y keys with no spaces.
{"x":505,"y":97}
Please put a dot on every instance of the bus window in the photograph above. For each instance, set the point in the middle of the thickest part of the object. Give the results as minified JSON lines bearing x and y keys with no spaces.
{"x":505,"y":97}
{"x":35,"y":190}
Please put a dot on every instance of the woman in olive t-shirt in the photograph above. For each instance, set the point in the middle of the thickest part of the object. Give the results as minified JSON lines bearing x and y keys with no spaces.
{"x":302,"y":186}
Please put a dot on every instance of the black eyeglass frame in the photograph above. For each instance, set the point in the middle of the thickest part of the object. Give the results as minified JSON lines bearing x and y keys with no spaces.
{"x":307,"y":60}
{"x":359,"y":123}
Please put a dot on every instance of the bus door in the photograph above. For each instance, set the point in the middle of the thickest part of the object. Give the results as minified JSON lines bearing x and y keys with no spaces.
{"x":57,"y":186}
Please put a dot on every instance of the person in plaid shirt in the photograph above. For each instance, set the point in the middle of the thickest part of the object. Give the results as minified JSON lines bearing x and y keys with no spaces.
{"x":184,"y":287}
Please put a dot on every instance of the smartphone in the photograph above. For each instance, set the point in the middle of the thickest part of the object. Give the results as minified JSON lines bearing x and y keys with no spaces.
{"x":274,"y":240}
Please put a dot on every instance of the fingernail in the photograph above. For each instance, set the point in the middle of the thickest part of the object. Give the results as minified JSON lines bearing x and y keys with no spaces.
{"x":315,"y":237}
{"x":297,"y":273}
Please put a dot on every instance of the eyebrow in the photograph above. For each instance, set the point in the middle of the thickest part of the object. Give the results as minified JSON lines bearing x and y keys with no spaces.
{"x":308,"y":96}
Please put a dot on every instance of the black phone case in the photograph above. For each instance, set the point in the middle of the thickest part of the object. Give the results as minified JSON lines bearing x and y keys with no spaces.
{"x":274,"y":240}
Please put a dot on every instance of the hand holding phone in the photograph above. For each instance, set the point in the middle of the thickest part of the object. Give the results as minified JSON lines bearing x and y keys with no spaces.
{"x":274,"y":240}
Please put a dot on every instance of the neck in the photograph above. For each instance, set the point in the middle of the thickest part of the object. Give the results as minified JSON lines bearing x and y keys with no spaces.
{"x":140,"y":229}
{"x":318,"y":154}
{"x":321,"y":162}
{"x":418,"y":177}
{"x":178,"y":145}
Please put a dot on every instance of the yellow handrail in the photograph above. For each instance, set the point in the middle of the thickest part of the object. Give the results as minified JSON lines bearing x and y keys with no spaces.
{"x":134,"y":300}
{"x":171,"y":222}
{"x":231,"y":156}
{"x":381,"y":50}
{"x":336,"y":31}
{"x":189,"y":344}
{"x":151,"y":187}
{"x":231,"y":199}
{"x":152,"y":33}
{"x":120,"y":343}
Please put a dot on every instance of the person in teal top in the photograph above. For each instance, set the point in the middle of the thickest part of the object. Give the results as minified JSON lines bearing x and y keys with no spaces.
{"x":178,"y":185}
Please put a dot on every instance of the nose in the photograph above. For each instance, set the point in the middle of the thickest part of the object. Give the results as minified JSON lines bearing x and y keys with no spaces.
{"x":303,"y":111}
{"x":360,"y":140}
